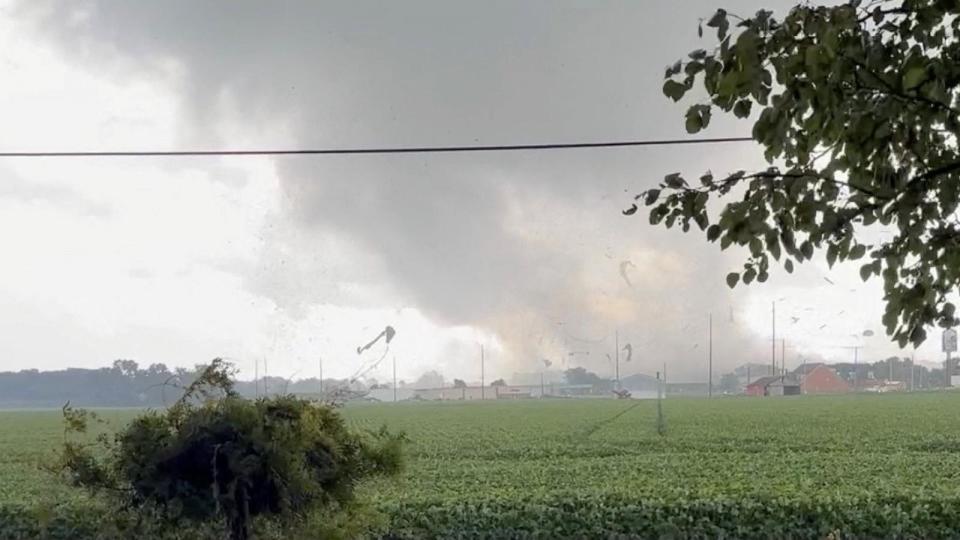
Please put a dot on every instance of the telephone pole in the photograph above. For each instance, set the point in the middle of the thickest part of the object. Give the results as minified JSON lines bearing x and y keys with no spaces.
{"x":710,"y":359}
{"x":320,"y":363}
{"x":783,"y":356}
{"x":482,"y":382}
{"x":773,"y":339}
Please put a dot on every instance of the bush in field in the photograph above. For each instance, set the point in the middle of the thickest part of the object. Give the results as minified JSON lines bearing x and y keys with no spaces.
{"x":216,"y":458}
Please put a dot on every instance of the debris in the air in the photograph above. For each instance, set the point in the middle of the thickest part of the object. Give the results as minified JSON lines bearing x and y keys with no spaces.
{"x":387,"y":333}
{"x":623,"y":271}
{"x":828,"y":280}
{"x":795,"y":320}
{"x":547,"y":363}
{"x":823,"y":326}
{"x":629,"y":349}
{"x":868,"y":333}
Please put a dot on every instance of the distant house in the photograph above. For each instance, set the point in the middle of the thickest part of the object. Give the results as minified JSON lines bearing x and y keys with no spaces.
{"x":773,"y":386}
{"x":820,"y":379}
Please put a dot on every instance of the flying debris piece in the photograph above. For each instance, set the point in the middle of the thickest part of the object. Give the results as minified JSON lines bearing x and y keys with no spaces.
{"x":828,"y":280}
{"x":387,"y":333}
{"x":823,"y":326}
{"x":868,"y":333}
{"x":794,"y":320}
{"x":842,"y":312}
{"x":547,"y":363}
{"x":629,"y":349}
{"x":696,"y":345}
{"x":808,"y":309}
{"x":623,"y":271}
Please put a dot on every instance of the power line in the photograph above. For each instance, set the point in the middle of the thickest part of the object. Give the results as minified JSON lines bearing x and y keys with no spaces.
{"x":387,"y":150}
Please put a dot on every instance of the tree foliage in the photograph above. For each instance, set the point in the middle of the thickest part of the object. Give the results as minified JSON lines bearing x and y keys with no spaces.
{"x":216,"y":457}
{"x":856,"y":106}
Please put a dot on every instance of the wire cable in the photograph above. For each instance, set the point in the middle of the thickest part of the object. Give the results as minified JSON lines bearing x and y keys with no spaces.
{"x":348,"y":151}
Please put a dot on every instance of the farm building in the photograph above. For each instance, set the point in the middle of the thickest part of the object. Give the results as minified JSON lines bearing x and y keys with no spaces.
{"x":773,"y":386}
{"x":820,"y":379}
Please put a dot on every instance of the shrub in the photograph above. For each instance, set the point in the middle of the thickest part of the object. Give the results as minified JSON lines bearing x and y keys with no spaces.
{"x":215,"y":457}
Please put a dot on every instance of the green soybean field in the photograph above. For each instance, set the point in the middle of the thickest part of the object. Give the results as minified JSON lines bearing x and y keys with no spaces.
{"x":801,"y":467}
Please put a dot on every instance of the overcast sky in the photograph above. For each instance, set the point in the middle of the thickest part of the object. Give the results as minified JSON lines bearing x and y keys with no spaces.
{"x":290,"y":260}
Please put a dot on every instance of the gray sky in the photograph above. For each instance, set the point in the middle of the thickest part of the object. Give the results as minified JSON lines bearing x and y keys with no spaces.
{"x":179,"y":260}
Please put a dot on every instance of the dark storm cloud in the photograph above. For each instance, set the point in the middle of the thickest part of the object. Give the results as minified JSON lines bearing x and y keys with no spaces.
{"x":511,"y":242}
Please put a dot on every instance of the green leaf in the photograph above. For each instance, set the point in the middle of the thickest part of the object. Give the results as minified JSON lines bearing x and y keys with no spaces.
{"x":788,"y":266}
{"x":694,"y":121}
{"x":832,"y":252}
{"x":674,"y":90}
{"x":651,"y":196}
{"x":742,"y":108}
{"x":749,"y":275}
{"x":713,"y":232}
{"x":857,"y":252}
{"x":718,"y":18}
{"x":914,"y":77}
{"x":865,"y":271}
{"x":673,"y":180}
{"x":732,"y":279}
{"x":807,"y":250}
{"x":673,"y":70}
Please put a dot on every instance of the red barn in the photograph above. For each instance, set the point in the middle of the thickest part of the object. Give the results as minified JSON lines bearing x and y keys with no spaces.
{"x":820,"y":379}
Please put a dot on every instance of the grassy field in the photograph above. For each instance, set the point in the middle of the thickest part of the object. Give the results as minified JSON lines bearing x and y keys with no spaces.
{"x":862,"y":465}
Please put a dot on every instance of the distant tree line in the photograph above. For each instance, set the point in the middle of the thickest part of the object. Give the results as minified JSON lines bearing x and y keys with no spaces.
{"x":126,"y":384}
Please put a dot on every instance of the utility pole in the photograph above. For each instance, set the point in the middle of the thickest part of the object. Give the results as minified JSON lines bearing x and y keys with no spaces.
{"x":394,"y":378}
{"x":664,"y":379}
{"x":482,"y":374}
{"x":710,"y":359}
{"x":773,"y":339}
{"x":783,"y":357}
{"x":616,"y":343}
{"x":320,"y":363}
{"x":913,"y":370}
{"x":661,"y":390}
